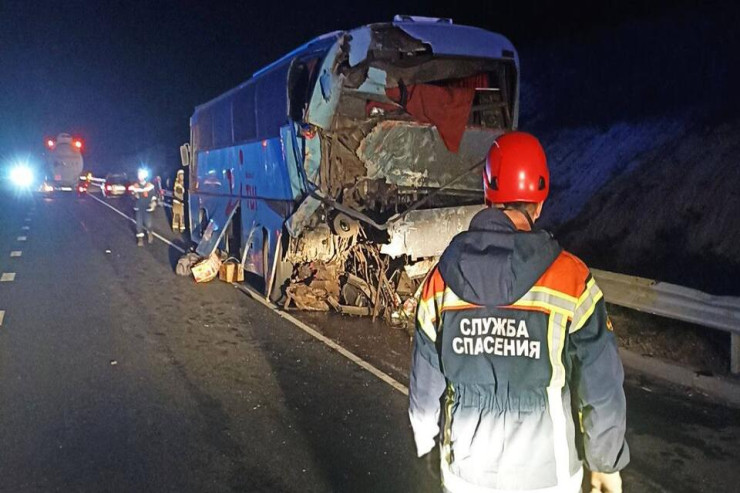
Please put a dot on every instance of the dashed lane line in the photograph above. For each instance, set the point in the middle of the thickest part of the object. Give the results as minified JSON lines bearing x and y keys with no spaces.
{"x":22,"y":238}
{"x":7,"y":277}
{"x":16,"y":253}
{"x":304,"y":327}
{"x":2,"y":316}
{"x":26,"y":228}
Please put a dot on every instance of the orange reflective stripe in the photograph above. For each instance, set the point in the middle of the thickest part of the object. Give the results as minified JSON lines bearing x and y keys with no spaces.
{"x":567,"y":275}
{"x":430,"y":301}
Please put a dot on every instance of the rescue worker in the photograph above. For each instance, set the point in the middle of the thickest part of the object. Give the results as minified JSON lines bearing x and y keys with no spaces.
{"x":514,"y":332}
{"x":145,"y":201}
{"x":178,"y":195}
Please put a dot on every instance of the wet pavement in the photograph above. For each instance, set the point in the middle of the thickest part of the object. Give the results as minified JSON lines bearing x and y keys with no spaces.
{"x":117,"y":375}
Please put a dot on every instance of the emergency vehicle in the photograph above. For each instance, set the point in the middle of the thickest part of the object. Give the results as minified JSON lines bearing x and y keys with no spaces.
{"x":64,"y":162}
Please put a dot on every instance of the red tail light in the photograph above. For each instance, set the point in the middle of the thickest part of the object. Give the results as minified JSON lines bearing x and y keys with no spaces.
{"x":50,"y":144}
{"x":108,"y":187}
{"x":78,"y":144}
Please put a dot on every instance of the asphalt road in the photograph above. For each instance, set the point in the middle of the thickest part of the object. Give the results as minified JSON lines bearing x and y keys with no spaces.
{"x":117,"y":375}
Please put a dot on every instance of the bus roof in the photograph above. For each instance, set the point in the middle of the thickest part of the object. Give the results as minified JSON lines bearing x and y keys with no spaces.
{"x":444,"y":37}
{"x":458,"y":40}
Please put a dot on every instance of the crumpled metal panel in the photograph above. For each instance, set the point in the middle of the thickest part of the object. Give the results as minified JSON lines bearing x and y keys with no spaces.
{"x":301,"y":218}
{"x":375,"y":83}
{"x":315,"y":245}
{"x":322,"y":107}
{"x":457,"y":40}
{"x":312,"y":158}
{"x":361,"y":39}
{"x":426,"y":233}
{"x":221,"y":212}
{"x":293,"y":158}
{"x":411,"y":154}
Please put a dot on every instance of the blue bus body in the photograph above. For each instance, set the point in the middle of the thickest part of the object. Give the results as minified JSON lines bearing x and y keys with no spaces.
{"x":321,"y":159}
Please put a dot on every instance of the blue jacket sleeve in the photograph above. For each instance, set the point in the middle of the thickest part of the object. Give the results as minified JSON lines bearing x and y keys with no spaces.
{"x":597,"y":379}
{"x":426,"y":381}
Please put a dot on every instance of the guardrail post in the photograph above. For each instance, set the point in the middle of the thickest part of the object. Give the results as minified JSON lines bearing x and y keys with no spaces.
{"x":735,"y":354}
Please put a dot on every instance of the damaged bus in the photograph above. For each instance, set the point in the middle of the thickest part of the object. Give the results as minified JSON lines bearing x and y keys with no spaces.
{"x":340,"y":172}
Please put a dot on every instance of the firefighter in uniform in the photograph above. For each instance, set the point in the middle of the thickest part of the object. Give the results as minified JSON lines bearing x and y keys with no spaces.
{"x":512,"y":333}
{"x":145,"y":201}
{"x":178,"y":195}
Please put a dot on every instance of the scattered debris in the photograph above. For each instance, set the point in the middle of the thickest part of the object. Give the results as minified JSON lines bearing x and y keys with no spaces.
{"x":231,"y":271}
{"x":113,"y":362}
{"x":107,"y":251}
{"x":359,"y":281}
{"x":207,"y":269}
{"x":185,"y":264}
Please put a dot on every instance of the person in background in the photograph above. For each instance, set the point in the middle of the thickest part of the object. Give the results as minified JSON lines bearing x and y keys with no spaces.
{"x":159,"y":189}
{"x":512,"y":332}
{"x":145,"y":201}
{"x":178,"y":196}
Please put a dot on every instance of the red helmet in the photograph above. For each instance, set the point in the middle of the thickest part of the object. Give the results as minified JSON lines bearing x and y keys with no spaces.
{"x":516,"y":170}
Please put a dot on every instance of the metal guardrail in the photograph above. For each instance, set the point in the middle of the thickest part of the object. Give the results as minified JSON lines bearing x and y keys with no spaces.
{"x":675,"y":302}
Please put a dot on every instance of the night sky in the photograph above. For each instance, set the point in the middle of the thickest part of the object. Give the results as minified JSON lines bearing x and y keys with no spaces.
{"x":126,"y":75}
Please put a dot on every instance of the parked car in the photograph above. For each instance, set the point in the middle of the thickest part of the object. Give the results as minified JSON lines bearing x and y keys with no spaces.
{"x":115,"y":185}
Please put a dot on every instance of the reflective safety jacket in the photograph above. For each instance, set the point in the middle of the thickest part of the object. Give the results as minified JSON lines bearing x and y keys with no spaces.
{"x":514,"y":332}
{"x":178,"y":192}
{"x":144,"y":195}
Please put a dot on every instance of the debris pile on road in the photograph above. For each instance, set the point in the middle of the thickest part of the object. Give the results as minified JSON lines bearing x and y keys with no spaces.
{"x":342,"y":284}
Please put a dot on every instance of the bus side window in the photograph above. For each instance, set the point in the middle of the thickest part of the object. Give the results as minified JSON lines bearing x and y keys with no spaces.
{"x":202,"y":130}
{"x":297,"y":90}
{"x":245,"y":127}
{"x":222,"y":134}
{"x":271,"y":102}
{"x":301,"y":77}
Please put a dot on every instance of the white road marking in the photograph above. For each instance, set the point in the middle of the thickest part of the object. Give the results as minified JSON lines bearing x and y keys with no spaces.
{"x":2,"y":316}
{"x":28,"y":219}
{"x":7,"y":277}
{"x":25,"y":228}
{"x":179,"y":249}
{"x":321,"y":337}
{"x":16,"y":253}
{"x":312,"y":332}
{"x":22,"y":238}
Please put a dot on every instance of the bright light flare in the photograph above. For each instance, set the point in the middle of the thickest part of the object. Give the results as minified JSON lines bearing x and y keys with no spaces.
{"x":50,"y":144}
{"x":22,"y":176}
{"x":78,"y":144}
{"x":142,"y":174}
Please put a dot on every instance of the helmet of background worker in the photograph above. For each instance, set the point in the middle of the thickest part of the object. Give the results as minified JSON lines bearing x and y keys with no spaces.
{"x":516,"y":170}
